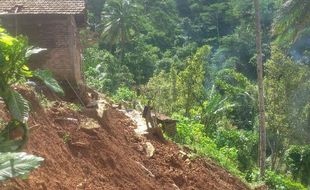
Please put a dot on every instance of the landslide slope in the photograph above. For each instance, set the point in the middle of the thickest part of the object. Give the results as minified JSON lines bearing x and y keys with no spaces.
{"x":104,"y":153}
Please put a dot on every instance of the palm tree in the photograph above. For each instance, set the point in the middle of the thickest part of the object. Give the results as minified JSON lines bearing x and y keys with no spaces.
{"x":121,"y":18}
{"x":261,"y":103}
{"x":292,"y":20}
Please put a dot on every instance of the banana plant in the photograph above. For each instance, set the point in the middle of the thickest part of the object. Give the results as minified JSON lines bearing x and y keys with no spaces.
{"x":14,"y":54}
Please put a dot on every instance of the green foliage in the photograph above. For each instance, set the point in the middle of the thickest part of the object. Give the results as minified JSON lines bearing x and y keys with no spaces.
{"x":160,"y":90}
{"x":17,"y":164}
{"x":13,"y":66}
{"x":287,"y":88}
{"x":155,"y":50}
{"x":74,"y":107}
{"x":14,"y":53}
{"x":297,"y":159}
{"x":124,"y":94}
{"x":104,"y":72}
{"x":292,"y":20}
{"x":141,"y":60}
{"x":191,"y":133}
{"x":276,"y":182}
{"x":121,"y":22}
{"x":241,"y":93}
{"x":66,"y":137}
{"x":17,"y":106}
{"x":190,"y":82}
{"x":213,"y":110}
{"x":246,"y":142}
{"x":47,"y":78}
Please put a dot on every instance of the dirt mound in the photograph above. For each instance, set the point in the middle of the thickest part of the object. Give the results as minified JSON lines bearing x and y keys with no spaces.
{"x":109,"y":155}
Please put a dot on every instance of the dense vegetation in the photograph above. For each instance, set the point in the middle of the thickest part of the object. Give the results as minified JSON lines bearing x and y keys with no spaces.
{"x":14,"y":55}
{"x":195,"y":59}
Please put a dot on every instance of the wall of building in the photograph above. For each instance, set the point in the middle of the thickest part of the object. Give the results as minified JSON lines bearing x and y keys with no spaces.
{"x":59,"y":35}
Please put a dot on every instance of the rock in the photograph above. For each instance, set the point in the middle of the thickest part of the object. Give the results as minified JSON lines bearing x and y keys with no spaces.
{"x":81,"y":185}
{"x":64,"y":119}
{"x":149,"y":149}
{"x":115,"y":106}
{"x":92,"y":104}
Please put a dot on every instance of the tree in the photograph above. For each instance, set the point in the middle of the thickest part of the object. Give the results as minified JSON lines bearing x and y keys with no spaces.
{"x":261,"y":104}
{"x":288,"y":104}
{"x":292,"y":20}
{"x":191,"y":80}
{"x":122,"y":18}
{"x":94,"y":14}
{"x":104,"y":71}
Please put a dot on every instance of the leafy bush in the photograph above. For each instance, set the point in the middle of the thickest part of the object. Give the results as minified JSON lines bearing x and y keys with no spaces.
{"x":241,"y":92}
{"x":297,"y":159}
{"x":190,"y":132}
{"x":273,"y":180}
{"x":104,"y":71}
{"x":246,"y":142}
{"x":124,"y":94}
{"x":14,"y":53}
{"x":280,"y":182}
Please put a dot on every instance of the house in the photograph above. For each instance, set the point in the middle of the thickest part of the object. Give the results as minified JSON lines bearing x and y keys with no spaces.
{"x":50,"y":24}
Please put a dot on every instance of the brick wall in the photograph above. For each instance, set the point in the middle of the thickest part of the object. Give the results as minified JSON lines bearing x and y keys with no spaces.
{"x":59,"y":35}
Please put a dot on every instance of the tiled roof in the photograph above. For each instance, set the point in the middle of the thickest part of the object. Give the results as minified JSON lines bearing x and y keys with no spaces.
{"x":70,"y":7}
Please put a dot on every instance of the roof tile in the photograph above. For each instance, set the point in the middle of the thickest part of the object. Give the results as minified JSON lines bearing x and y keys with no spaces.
{"x":73,"y":7}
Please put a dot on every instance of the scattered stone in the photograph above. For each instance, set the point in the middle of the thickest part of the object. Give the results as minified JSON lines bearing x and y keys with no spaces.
{"x":89,"y":123}
{"x":149,"y":149}
{"x":80,"y":144}
{"x":115,"y":106}
{"x":64,"y":119}
{"x":183,"y":155}
{"x":92,"y":104}
{"x":81,"y":185}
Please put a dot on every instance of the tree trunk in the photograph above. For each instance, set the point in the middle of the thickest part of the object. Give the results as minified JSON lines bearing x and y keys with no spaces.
{"x":262,"y":129}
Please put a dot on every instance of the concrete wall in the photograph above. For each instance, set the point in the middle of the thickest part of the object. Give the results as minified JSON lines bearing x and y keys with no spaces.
{"x":59,"y":35}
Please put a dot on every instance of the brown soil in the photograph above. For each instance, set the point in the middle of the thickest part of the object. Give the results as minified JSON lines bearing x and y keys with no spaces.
{"x":109,"y":157}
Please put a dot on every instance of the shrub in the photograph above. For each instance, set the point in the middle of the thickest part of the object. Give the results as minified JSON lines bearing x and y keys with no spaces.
{"x":104,"y":72}
{"x":14,"y":53}
{"x":125,"y":95}
{"x":246,"y":142}
{"x":297,"y":159}
{"x":191,"y":133}
{"x":280,"y":182}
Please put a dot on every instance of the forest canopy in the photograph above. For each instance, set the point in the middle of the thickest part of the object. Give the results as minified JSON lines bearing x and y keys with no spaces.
{"x":196,"y":61}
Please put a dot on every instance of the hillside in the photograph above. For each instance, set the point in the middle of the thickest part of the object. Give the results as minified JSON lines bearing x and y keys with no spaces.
{"x":85,"y":151}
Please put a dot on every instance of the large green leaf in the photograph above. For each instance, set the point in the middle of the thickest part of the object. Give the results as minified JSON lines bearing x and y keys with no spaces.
{"x":48,"y":79}
{"x":5,"y":38}
{"x":17,"y":164}
{"x":18,"y":106}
